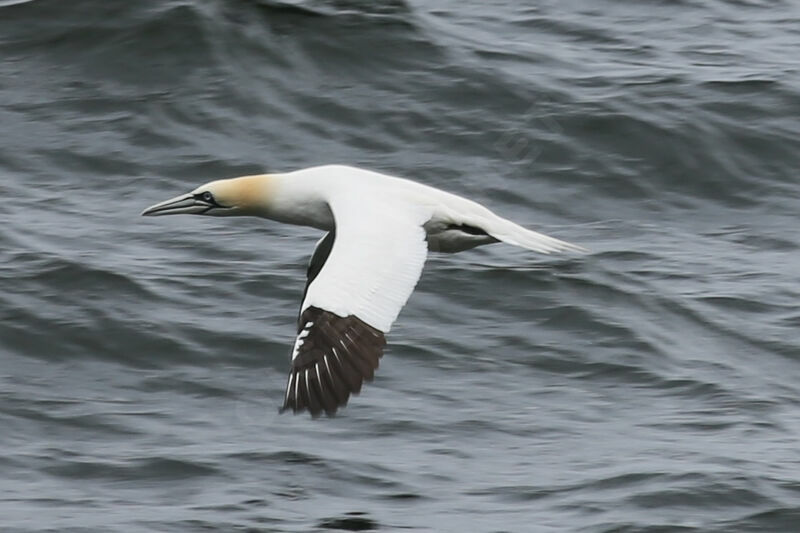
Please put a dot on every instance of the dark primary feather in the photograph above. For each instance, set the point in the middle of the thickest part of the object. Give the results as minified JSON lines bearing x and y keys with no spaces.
{"x":336,"y":356}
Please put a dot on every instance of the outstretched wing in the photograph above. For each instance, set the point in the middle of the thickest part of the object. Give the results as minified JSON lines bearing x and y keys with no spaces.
{"x":356,"y":289}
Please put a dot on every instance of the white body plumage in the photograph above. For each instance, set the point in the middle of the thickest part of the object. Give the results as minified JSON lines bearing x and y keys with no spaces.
{"x":380,"y":229}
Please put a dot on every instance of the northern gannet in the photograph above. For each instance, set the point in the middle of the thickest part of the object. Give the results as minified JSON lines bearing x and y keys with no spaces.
{"x":379,"y":231}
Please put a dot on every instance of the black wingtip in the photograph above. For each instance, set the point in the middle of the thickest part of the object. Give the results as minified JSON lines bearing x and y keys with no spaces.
{"x":336,"y":356}
{"x":289,"y":409}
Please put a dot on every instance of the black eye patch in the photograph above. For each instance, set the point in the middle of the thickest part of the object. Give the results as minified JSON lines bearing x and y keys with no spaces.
{"x":207,"y":197}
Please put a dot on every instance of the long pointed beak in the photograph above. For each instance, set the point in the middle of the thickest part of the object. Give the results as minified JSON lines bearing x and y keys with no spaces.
{"x":184,"y":204}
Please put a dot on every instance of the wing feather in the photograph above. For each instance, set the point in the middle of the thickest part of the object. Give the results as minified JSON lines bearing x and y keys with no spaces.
{"x":374,"y":263}
{"x":360,"y":277}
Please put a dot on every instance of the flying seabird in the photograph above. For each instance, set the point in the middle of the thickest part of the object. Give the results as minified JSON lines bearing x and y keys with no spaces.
{"x":379,"y":231}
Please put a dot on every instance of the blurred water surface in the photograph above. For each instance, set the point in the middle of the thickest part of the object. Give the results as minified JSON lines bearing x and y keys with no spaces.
{"x":649,"y":386}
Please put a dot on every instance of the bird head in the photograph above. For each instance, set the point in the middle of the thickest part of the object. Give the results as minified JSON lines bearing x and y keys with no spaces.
{"x":246,"y":195}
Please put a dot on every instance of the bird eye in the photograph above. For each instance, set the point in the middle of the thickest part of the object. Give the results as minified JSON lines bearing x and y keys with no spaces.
{"x":208,"y":197}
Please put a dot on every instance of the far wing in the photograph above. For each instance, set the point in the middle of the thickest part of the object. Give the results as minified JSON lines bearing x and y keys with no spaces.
{"x":352,"y":300}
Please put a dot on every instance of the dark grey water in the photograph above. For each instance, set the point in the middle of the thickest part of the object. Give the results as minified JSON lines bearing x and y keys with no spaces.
{"x":653,"y":385}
